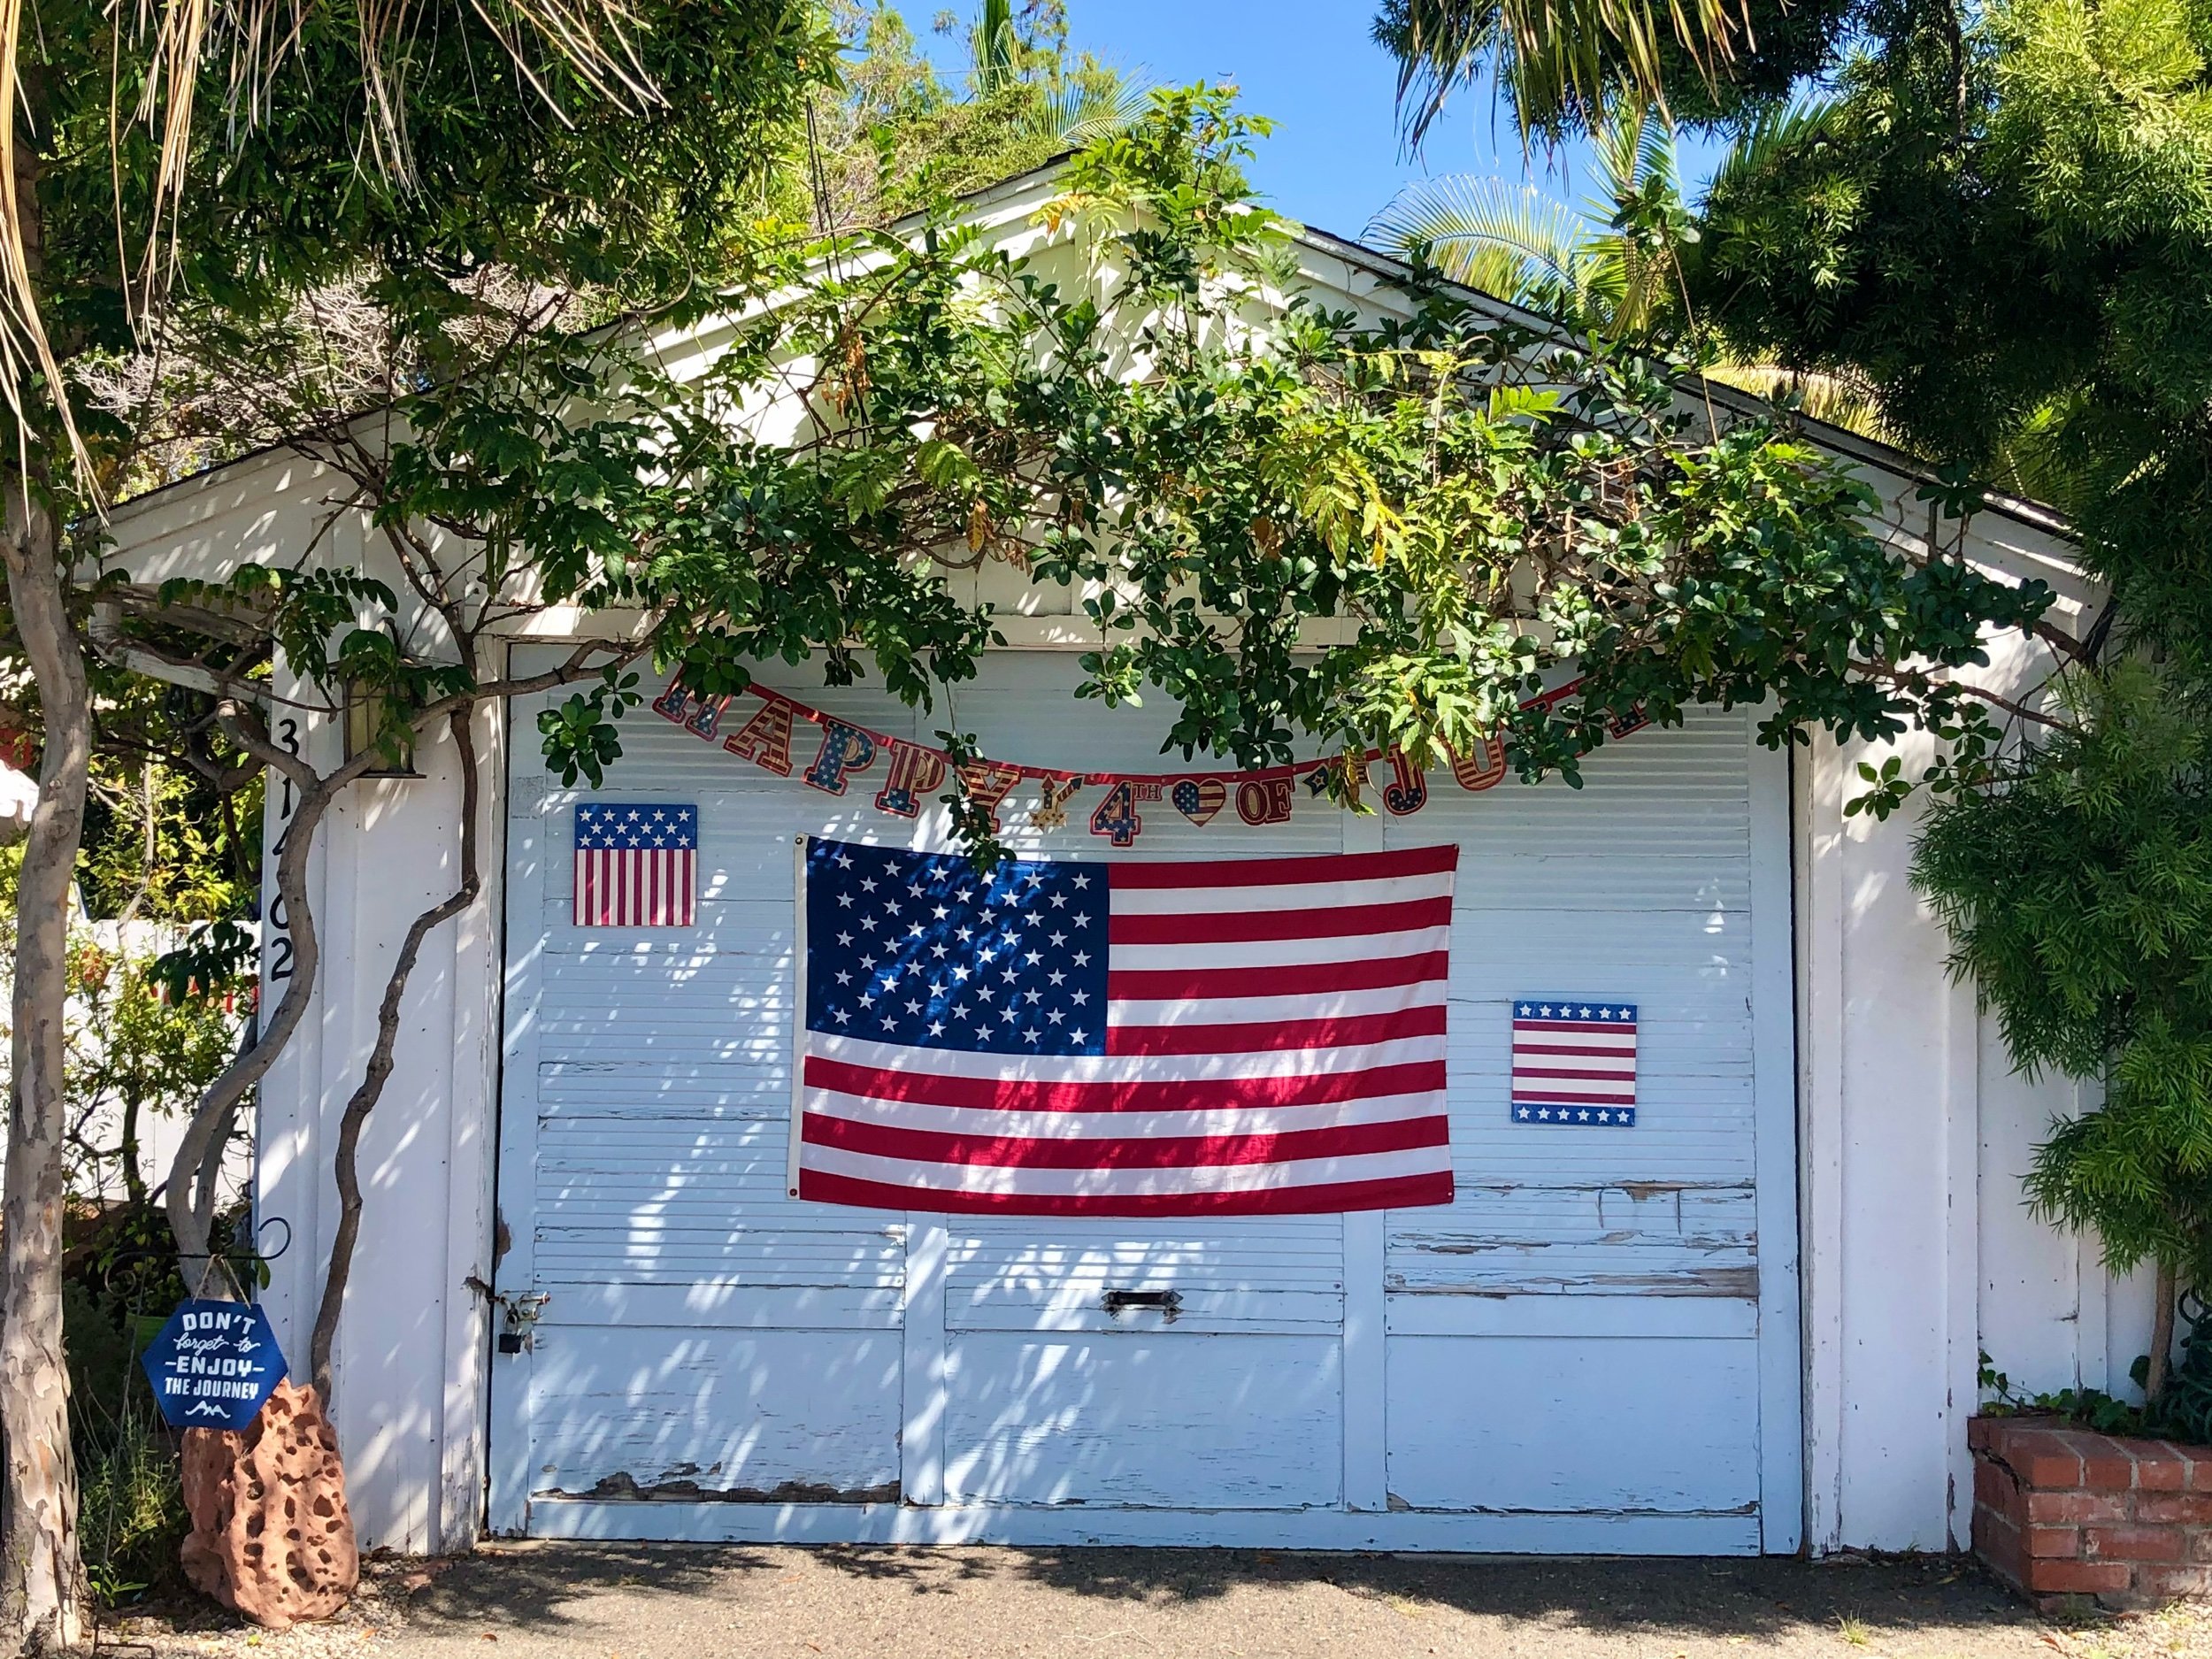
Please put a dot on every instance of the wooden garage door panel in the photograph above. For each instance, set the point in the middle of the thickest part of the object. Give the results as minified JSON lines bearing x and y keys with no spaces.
{"x":789,"y":1415}
{"x":705,"y":1328}
{"x":1589,"y":1424}
{"x":1144,"y":1421}
{"x":1262,"y":1274}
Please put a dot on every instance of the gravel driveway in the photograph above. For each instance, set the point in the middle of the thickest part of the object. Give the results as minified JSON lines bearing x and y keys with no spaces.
{"x":663,"y":1602}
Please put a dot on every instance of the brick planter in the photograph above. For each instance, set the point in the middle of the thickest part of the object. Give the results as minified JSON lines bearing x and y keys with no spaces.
{"x":2061,"y":1511}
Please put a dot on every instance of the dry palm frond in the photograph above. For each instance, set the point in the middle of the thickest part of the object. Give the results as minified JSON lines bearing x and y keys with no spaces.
{"x":1837,"y":399}
{"x":590,"y":38}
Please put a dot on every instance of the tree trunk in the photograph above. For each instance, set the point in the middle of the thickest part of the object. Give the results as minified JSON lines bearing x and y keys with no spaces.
{"x":190,"y":1196}
{"x":346,"y":1157}
{"x":2166,"y":1292}
{"x":40,"y":1586}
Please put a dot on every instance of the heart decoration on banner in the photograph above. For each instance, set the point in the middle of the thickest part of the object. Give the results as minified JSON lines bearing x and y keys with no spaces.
{"x":1198,"y":799}
{"x":846,"y":750}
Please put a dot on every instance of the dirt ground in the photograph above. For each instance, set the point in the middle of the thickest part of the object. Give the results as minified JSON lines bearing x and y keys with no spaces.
{"x":663,"y":1602}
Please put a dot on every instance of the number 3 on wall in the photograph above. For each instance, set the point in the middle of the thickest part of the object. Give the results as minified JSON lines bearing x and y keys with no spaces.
{"x":280,"y":939}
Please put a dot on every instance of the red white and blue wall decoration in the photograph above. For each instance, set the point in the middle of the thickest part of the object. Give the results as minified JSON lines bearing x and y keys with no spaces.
{"x":1574,"y":1062}
{"x":637,"y":864}
{"x":768,"y":733}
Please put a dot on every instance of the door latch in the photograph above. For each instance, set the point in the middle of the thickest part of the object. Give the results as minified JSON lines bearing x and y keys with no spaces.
{"x":518,"y":1314}
{"x":1167,"y":1302}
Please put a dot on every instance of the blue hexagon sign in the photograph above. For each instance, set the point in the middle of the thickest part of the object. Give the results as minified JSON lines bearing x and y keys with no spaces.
{"x":214,"y":1365}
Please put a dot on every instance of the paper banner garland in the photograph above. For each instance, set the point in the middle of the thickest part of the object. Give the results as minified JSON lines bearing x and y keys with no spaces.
{"x":765,"y":734}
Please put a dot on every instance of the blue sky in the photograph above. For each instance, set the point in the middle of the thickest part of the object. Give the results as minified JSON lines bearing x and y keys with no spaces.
{"x":1334,"y":158}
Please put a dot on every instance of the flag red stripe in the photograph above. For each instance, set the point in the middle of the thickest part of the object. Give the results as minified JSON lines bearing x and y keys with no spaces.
{"x":1628,"y":1053}
{"x":1573,"y":1099}
{"x":1146,"y":985}
{"x":1226,"y":926}
{"x":1612,"y":1074}
{"x":1252,"y":872}
{"x":1406,"y":1190}
{"x":993,"y":1094}
{"x":1161,"y":1152}
{"x":1276,"y":1035}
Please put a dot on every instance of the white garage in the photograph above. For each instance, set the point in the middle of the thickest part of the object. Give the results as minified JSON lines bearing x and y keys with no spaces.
{"x":591,"y":1306}
{"x":714,"y":1358}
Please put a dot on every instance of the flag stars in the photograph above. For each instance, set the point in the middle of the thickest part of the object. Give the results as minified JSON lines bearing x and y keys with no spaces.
{"x":961,"y":938}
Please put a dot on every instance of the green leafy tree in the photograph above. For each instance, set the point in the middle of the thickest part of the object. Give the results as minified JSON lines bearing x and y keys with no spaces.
{"x":903,"y":131}
{"x":2077,"y":882}
{"x":155,"y":201}
{"x":1996,"y":223}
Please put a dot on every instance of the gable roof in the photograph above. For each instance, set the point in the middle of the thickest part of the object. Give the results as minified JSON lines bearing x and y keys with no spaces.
{"x":1004,"y":201}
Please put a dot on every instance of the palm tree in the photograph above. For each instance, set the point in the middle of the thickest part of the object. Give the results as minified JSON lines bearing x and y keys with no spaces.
{"x":1610,"y":267}
{"x":1516,"y":242}
{"x":1556,"y":59}
{"x":1071,"y":105}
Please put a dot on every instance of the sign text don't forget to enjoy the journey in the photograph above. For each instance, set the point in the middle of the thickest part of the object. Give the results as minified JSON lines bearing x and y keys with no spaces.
{"x":214,"y":1365}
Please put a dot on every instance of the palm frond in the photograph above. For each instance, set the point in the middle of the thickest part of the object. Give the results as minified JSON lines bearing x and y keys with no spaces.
{"x":589,"y":40}
{"x":1772,"y":135}
{"x":1553,"y":56}
{"x":1510,"y":241}
{"x":1838,"y":399}
{"x":1093,"y":108}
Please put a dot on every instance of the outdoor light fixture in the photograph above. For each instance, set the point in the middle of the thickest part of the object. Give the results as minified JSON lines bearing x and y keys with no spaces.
{"x":371,"y":726}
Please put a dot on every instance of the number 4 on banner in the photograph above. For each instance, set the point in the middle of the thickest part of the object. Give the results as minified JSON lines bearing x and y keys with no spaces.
{"x":1116,"y":818}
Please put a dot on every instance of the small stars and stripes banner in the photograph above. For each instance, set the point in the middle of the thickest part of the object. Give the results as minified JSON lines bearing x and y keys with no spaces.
{"x":637,"y":865}
{"x":776,"y":733}
{"x":1574,"y":1062}
{"x":1230,"y":1037}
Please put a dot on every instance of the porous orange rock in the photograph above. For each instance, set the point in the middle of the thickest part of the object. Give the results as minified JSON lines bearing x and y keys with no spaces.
{"x":270,"y":1538}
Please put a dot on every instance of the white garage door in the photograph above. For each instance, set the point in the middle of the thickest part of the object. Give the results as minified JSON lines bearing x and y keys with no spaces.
{"x":1594,"y":1347}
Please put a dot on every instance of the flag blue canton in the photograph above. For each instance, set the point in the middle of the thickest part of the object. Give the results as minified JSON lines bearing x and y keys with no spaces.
{"x":1617,"y":1013}
{"x":637,"y":827}
{"x":1611,"y":1116}
{"x":918,"y":948}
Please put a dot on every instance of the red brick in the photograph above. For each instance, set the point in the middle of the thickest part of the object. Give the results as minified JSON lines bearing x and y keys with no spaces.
{"x":2042,"y":1455}
{"x":1993,"y":1483}
{"x":2078,"y":1578}
{"x":2199,"y":1544}
{"x":2160,"y":1468}
{"x":2134,"y":1543}
{"x":2172,"y":1581}
{"x":2190,"y":1509}
{"x":1998,"y":1549}
{"x":2045,"y":1541}
{"x":2107,"y":1465}
{"x":2084,"y":1506}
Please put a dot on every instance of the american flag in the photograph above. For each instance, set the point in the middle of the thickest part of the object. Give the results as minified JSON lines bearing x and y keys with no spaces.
{"x":1221,"y":1038}
{"x":1574,"y":1062}
{"x":637,"y":865}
